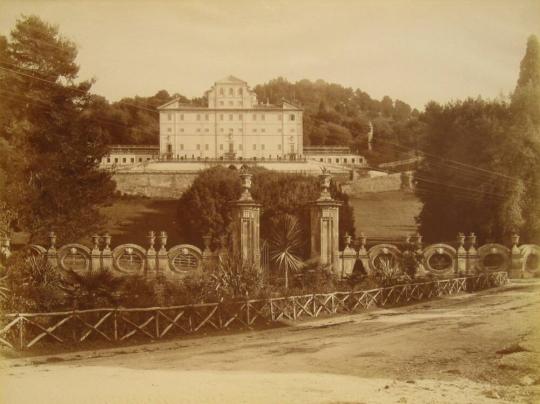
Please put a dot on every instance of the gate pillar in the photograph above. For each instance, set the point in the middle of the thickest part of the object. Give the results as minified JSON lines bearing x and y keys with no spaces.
{"x":246,"y":228}
{"x":324,"y":223}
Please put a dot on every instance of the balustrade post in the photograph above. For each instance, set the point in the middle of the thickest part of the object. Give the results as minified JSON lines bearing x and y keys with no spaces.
{"x":106,"y":253}
{"x":461,"y":265}
{"x":207,"y":255}
{"x":21,"y":333}
{"x":162,"y":257}
{"x":362,"y":253}
{"x":516,"y":265}
{"x":472,"y":255}
{"x":52,"y":256}
{"x":151,"y":254}
{"x":348,"y":257}
{"x":95,"y":254}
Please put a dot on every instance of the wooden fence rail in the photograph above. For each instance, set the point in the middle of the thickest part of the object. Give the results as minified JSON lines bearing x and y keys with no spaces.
{"x":114,"y":325}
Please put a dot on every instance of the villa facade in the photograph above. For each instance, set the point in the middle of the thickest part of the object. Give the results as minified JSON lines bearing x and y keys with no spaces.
{"x":233,"y":125}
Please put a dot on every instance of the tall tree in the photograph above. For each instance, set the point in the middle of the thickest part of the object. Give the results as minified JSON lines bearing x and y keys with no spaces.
{"x":482,"y":167}
{"x":51,"y":143}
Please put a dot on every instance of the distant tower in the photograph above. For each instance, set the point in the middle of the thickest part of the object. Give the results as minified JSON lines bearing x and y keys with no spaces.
{"x":370,"y":136}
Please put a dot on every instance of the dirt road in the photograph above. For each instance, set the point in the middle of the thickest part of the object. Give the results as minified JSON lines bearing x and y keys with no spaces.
{"x":464,"y":349}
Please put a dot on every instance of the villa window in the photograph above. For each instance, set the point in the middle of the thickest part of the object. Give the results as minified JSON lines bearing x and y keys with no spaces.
{"x":220,"y":117}
{"x":220,"y":147}
{"x":262,"y":147}
{"x":169,"y":129}
{"x":240,"y":91}
{"x":221,"y":103}
{"x":206,"y":147}
{"x":263,"y":130}
{"x":116,"y":160}
{"x":230,"y":117}
{"x":353,"y":161}
{"x":292,"y":117}
{"x":181,"y":117}
{"x":206,"y":117}
{"x":279,"y":147}
{"x":182,"y":147}
{"x":254,"y":147}
{"x":169,"y":117}
{"x":123,"y":160}
{"x":221,"y":92}
{"x":198,"y":147}
{"x":140,"y":159}
{"x":240,"y":117}
{"x":262,"y":117}
{"x":132,"y":160}
{"x":231,"y":91}
{"x":108,"y":159}
{"x":240,"y":147}
{"x":254,"y":117}
{"x":198,"y":117}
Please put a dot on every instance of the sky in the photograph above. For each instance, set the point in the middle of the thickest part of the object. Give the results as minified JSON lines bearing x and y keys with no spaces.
{"x":413,"y":50}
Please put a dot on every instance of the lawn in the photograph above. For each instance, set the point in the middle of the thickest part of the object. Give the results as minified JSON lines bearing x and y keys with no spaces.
{"x":384,"y":215}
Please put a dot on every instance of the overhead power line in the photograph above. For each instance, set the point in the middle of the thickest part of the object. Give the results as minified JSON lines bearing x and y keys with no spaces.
{"x":153,"y":110}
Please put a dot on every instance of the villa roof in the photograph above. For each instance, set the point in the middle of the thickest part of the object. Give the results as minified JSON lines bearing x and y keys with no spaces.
{"x":230,"y":79}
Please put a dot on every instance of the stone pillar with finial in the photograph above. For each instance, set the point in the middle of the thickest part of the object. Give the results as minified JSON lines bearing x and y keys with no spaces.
{"x":95,"y":254}
{"x":516,"y":268}
{"x":461,"y":266}
{"x":106,"y":253}
{"x":151,"y":255}
{"x":246,"y":225}
{"x":324,"y":221}
{"x":162,"y":256}
{"x":52,"y":256}
{"x":472,"y":255}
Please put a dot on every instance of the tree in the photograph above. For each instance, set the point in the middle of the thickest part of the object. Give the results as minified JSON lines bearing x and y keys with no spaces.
{"x":51,"y":144}
{"x":205,"y":207}
{"x":482,"y":167}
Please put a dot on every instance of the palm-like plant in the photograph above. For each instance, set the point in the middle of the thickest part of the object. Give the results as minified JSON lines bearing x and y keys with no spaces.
{"x":4,"y":290}
{"x":286,"y":244}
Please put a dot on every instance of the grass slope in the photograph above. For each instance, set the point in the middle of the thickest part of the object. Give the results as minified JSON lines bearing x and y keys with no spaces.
{"x":385,"y":215}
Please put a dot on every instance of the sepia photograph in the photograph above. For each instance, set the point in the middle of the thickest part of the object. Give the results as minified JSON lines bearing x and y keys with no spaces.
{"x":270,"y":201}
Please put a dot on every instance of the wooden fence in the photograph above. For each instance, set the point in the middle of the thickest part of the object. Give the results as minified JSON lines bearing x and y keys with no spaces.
{"x":115,"y":325}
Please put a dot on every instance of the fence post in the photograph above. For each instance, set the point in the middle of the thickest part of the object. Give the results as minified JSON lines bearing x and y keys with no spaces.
{"x":157,"y":324}
{"x":21,"y":332}
{"x":115,"y":325}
